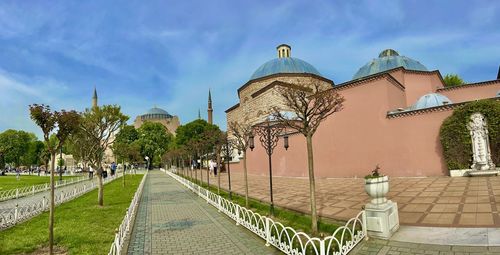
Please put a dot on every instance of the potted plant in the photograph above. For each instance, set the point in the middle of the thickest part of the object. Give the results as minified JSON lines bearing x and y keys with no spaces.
{"x":377,"y":186}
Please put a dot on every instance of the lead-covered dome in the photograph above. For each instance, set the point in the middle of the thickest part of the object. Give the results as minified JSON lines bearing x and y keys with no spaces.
{"x":284,"y":64}
{"x":388,"y":59}
{"x":430,"y":100}
{"x":156,"y":113}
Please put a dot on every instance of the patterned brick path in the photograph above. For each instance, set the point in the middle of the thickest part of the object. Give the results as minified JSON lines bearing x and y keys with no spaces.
{"x":173,"y":220}
{"x":430,"y":201}
{"x":383,"y":247}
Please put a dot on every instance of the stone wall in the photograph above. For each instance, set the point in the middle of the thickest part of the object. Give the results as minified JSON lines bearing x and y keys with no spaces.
{"x":255,"y":107}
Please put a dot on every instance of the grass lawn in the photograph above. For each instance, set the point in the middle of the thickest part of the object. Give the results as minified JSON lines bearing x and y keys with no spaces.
{"x":81,"y":226}
{"x":9,"y":181}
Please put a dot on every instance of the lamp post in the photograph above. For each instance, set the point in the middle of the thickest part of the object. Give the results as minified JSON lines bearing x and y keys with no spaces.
{"x":147,"y":161}
{"x":269,"y":133}
{"x":228,"y":149}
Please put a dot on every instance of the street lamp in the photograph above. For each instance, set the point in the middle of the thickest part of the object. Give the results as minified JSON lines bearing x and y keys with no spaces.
{"x":269,"y":133}
{"x":147,"y":160}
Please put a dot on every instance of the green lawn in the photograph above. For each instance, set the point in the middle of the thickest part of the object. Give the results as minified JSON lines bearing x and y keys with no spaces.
{"x":81,"y":226}
{"x":10,"y":181}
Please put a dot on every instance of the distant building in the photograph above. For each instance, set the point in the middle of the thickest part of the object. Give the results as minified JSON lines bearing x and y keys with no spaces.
{"x":158,"y":115}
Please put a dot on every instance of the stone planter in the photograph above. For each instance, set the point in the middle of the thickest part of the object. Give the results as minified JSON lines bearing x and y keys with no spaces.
{"x":377,"y":189}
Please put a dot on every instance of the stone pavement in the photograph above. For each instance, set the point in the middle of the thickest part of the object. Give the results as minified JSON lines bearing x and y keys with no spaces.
{"x":173,"y":220}
{"x":429,"y":201}
{"x":383,"y":247}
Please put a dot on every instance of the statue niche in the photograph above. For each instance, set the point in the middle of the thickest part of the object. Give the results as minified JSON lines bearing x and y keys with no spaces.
{"x":481,"y":154}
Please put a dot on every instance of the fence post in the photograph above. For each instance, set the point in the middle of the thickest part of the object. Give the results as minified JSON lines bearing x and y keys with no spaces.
{"x":322,"y":247}
{"x":17,"y":193}
{"x":237,"y":215}
{"x":33,"y":190}
{"x":365,"y":230}
{"x":268,"y":233}
{"x":219,"y":205}
{"x":15,"y":214}
{"x":43,"y":203}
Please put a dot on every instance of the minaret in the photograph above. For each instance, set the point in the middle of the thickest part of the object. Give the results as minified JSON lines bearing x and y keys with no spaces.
{"x":94,"y":98}
{"x":210,"y":110}
{"x":199,"y":114}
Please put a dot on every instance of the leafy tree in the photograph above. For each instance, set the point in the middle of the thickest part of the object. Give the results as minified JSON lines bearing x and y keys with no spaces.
{"x":455,"y":137}
{"x":308,"y":111}
{"x":123,"y":146}
{"x":32,"y":156}
{"x":18,"y":143}
{"x":452,"y":80}
{"x":66,"y":123}
{"x":192,"y":131}
{"x":99,"y":126}
{"x":154,"y":139}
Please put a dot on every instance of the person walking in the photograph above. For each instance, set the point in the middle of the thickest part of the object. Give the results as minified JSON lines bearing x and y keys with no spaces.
{"x":113,"y":168}
{"x":91,"y":172}
{"x":18,"y":173}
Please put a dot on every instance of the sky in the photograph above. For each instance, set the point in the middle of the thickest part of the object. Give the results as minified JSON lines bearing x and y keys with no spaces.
{"x":139,"y":54}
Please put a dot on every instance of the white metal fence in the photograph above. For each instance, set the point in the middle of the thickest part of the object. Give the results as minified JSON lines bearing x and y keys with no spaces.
{"x":13,"y":216}
{"x":286,"y":239}
{"x":31,"y":190}
{"x":125,"y":227}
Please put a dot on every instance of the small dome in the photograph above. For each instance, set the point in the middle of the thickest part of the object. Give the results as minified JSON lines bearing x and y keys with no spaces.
{"x":156,"y":113}
{"x":284,"y":65}
{"x":430,"y":100}
{"x":388,"y":59}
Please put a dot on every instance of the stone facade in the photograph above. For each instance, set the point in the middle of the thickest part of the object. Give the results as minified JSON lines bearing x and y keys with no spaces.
{"x":259,"y":96}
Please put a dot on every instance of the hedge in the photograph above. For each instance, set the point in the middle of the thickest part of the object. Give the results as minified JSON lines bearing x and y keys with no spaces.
{"x":455,"y":137}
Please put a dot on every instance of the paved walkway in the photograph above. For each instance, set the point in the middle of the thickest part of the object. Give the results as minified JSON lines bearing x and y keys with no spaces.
{"x":173,"y":220}
{"x":383,"y":247}
{"x":430,"y":201}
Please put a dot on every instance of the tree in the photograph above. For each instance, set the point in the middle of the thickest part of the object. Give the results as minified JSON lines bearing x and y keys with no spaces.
{"x":242,"y":133}
{"x":308,"y":111}
{"x":100,"y":125}
{"x":154,"y":139}
{"x":66,"y":123}
{"x":32,"y":156}
{"x":452,"y":80}
{"x":18,"y":143}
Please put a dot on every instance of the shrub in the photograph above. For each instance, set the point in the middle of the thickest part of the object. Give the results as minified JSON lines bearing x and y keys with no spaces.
{"x":455,"y":137}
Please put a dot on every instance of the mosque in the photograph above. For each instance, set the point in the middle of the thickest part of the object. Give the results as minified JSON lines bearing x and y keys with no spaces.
{"x":158,"y":115}
{"x":393,"y":110}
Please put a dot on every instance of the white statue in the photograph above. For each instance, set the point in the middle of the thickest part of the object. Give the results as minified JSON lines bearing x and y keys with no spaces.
{"x":481,"y":154}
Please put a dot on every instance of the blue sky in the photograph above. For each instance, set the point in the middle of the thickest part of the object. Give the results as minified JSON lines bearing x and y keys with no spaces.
{"x":168,"y":53}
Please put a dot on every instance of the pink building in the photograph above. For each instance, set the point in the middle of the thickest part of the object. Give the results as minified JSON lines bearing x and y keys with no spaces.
{"x":393,"y":111}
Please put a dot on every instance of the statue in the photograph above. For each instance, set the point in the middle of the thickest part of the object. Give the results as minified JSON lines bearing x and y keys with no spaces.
{"x":481,"y":154}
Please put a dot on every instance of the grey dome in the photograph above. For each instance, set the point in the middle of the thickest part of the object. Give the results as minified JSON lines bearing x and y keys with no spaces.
{"x":284,"y":65}
{"x":430,"y":100}
{"x":388,"y":59}
{"x":156,"y":113}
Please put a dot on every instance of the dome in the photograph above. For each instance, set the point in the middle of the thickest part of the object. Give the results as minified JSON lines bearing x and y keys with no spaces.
{"x":430,"y":100}
{"x":156,"y":113}
{"x":284,"y":65}
{"x":388,"y":59}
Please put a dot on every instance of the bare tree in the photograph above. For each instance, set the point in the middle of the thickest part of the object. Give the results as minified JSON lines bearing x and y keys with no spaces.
{"x":242,"y":133}
{"x":308,"y":111}
{"x":66,"y":123}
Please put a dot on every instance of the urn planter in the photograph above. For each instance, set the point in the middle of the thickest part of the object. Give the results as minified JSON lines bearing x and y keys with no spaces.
{"x":377,"y":188}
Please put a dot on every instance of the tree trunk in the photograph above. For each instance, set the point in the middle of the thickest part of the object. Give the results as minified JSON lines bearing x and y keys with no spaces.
{"x":100,"y":196}
{"x":52,"y":205}
{"x":218,"y":171}
{"x":312,"y":186}
{"x":245,"y":177}
{"x":123,"y":167}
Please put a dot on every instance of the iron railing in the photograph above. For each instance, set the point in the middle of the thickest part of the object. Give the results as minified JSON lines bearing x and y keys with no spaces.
{"x":286,"y":239}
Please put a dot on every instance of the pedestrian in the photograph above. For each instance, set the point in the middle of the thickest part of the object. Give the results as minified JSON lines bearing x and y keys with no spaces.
{"x":18,"y":173}
{"x":113,"y":168}
{"x":91,"y":172}
{"x":215,"y":168}
{"x":104,"y":173}
{"x":211,"y":166}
